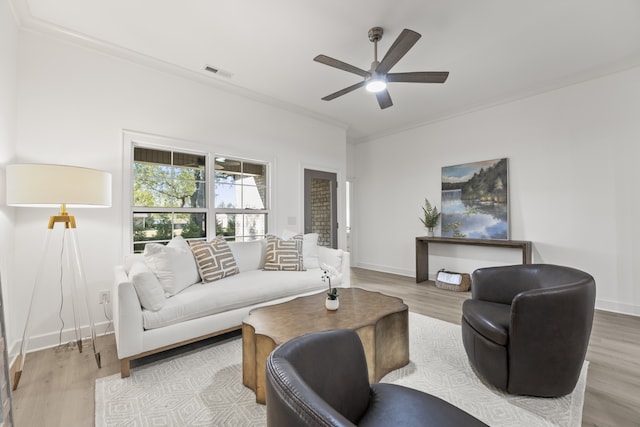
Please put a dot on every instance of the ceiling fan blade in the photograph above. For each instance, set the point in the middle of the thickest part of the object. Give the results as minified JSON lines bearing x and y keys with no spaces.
{"x":343,"y":91}
{"x":418,"y":77}
{"x":398,"y":49}
{"x":384,"y":99}
{"x":326,"y":60}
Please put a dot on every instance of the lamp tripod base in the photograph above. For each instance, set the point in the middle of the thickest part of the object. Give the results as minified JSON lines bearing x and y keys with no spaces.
{"x":18,"y":374}
{"x":73,"y":263}
{"x":20,"y":361}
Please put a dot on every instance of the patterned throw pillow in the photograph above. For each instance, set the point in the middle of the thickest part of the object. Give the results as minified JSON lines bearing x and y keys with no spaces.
{"x":215,"y":259}
{"x":285,"y":255}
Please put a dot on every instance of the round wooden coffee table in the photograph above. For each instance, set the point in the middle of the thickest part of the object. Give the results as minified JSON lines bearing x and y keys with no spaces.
{"x":381,"y":321}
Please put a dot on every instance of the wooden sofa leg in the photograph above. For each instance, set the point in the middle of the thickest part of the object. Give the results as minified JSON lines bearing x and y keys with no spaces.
{"x":125,"y":369}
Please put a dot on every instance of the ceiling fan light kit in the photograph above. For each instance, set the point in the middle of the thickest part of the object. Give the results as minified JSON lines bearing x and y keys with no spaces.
{"x":376,"y":84}
{"x":376,"y":79}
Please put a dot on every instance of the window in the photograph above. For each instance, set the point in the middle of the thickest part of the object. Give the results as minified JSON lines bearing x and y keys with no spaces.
{"x":169,"y":196}
{"x":240,"y":199}
{"x":179,"y":193}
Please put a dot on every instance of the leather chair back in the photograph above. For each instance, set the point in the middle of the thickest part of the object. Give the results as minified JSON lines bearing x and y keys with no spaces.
{"x":321,"y":381}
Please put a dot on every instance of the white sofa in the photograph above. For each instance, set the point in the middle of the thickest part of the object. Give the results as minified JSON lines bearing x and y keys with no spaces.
{"x":202,"y":310}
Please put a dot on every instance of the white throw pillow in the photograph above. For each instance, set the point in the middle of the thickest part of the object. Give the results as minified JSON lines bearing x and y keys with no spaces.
{"x":310,"y":250}
{"x":173,"y":264}
{"x":249,"y":255}
{"x":191,"y":273}
{"x":149,"y":290}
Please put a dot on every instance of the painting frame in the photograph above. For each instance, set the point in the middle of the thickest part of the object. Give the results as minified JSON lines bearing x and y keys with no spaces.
{"x":475,"y":200}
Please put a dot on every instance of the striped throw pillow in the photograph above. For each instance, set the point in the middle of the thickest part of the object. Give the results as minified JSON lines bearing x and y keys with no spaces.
{"x":215,"y":259}
{"x":284,"y":255}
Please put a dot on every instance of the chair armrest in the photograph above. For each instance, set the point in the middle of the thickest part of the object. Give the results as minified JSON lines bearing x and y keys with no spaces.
{"x":127,"y":315}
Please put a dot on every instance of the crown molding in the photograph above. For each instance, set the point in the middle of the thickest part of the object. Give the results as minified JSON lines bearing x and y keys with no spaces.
{"x":26,"y":21}
{"x":621,"y":66}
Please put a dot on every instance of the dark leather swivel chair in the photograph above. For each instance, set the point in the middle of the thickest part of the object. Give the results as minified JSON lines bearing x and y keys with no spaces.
{"x":321,"y":379}
{"x":526,"y":328}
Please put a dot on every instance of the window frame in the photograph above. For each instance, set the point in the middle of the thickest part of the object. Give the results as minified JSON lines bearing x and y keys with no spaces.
{"x":133,"y":139}
{"x":167,"y":210}
{"x":243,"y":211}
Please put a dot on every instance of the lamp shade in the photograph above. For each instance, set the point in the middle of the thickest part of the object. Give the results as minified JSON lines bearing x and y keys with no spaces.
{"x":40,"y":185}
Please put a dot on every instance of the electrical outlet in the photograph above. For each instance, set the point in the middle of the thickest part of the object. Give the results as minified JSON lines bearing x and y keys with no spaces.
{"x":104,"y":297}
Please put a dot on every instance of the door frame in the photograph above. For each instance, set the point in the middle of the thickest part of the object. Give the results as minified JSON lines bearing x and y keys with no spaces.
{"x":310,"y":174}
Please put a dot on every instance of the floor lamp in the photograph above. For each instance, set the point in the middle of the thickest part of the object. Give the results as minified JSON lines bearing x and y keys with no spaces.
{"x":41,"y":185}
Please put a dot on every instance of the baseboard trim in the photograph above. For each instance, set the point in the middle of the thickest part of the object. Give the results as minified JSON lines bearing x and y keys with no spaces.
{"x":52,"y":339}
{"x":616,"y":307}
{"x":386,"y":269}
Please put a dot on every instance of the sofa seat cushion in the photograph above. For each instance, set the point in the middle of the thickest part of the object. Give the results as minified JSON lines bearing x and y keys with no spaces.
{"x":242,"y":290}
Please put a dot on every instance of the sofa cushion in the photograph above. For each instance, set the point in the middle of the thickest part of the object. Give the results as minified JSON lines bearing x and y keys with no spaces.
{"x":249,"y":255}
{"x":241,"y":290}
{"x":173,"y":264}
{"x":284,"y":255}
{"x":215,"y":259}
{"x":147,"y":286}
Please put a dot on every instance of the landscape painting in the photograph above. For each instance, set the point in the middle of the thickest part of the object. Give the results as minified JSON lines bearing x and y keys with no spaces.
{"x":475,"y":200}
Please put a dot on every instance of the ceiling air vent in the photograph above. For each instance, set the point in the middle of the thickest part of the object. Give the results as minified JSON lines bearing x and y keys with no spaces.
{"x":218,"y":71}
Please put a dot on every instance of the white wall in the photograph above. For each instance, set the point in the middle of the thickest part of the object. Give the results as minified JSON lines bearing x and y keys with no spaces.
{"x":8,"y":64}
{"x":573,"y":156}
{"x":73,"y":104}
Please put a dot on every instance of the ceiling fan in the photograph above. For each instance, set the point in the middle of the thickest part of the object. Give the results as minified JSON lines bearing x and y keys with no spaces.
{"x":376,"y":79}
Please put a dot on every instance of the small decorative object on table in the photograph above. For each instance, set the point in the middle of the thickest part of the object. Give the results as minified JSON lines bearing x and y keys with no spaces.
{"x":431,"y":217}
{"x":452,"y":281}
{"x":332,"y":302}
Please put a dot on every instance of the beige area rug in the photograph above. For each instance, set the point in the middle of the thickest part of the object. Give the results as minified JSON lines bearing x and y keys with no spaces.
{"x":204,"y":387}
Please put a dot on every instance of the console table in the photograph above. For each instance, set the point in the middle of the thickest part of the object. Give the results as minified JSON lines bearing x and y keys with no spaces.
{"x":422,"y":250}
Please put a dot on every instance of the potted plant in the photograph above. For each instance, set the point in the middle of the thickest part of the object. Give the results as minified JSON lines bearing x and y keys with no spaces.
{"x":431,"y":217}
{"x":332,"y":302}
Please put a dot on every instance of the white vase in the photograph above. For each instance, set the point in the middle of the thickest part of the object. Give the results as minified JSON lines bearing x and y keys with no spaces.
{"x":332,"y":304}
{"x":430,"y":232}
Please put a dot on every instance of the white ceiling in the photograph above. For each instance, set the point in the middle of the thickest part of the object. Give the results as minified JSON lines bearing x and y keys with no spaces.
{"x":495,"y":50}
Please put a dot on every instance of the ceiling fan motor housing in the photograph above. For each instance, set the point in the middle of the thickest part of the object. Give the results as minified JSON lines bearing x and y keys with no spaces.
{"x":375,"y":34}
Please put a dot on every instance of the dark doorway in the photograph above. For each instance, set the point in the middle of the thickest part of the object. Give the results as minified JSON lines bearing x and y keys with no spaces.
{"x":320,"y":206}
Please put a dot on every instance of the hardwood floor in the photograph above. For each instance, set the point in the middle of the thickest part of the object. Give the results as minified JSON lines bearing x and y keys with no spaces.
{"x":57,"y":385}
